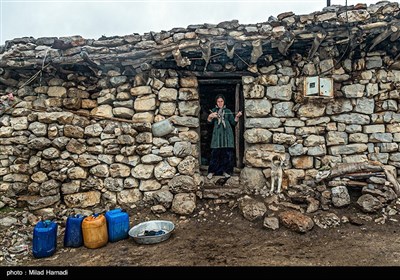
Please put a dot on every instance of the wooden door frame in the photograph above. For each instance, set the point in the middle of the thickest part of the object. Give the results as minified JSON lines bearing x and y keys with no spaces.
{"x":239,"y":128}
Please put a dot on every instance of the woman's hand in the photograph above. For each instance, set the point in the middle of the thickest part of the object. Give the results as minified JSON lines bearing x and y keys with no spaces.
{"x":212,"y":116}
{"x":238,"y":115}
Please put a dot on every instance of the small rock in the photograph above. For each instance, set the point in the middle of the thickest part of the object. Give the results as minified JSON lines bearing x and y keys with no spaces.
{"x":8,"y":221}
{"x":392,"y":212}
{"x":296,"y":221}
{"x":221,"y":201}
{"x":313,"y":205}
{"x":327,"y":220}
{"x":46,"y":213}
{"x":380,"y":220}
{"x":273,"y":208}
{"x":252,"y":209}
{"x":32,"y":219}
{"x":271,"y":223}
{"x":158,"y":209}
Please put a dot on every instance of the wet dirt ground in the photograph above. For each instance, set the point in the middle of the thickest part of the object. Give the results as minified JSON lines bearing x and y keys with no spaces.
{"x":222,"y":237}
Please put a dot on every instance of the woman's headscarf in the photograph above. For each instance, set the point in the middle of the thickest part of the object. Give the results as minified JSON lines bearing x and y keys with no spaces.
{"x":221,"y":111}
{"x":220,"y":96}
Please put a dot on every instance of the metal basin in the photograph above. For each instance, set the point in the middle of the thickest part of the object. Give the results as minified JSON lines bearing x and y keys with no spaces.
{"x":140,"y":232}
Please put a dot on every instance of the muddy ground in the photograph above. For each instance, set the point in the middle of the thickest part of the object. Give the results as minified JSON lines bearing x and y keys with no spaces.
{"x":222,"y":237}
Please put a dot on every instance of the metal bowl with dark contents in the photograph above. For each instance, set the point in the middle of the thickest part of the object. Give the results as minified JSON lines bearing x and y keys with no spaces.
{"x":152,"y":231}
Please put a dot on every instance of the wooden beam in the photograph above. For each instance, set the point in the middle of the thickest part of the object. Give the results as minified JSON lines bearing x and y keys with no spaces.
{"x":149,"y":54}
{"x":345,"y":168}
{"x":382,"y":36}
{"x":285,"y":42}
{"x":319,"y":37}
{"x":219,"y":81}
{"x":222,"y":75}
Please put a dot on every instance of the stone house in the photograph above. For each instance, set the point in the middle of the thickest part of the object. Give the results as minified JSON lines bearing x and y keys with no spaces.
{"x":318,"y":89}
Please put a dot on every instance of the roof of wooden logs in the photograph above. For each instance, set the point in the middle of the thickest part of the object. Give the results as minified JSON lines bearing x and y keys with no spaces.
{"x":335,"y":32}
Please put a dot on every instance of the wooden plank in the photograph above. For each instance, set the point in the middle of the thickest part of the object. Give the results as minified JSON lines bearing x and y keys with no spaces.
{"x":346,"y":168}
{"x":366,"y":175}
{"x":237,"y":127}
{"x":347,"y":183}
{"x":216,"y":75}
{"x":218,"y":81}
{"x":356,"y":184}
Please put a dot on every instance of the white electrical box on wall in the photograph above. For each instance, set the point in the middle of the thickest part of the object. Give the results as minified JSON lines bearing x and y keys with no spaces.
{"x":311,"y":86}
{"x":318,"y":87}
{"x":326,"y":87}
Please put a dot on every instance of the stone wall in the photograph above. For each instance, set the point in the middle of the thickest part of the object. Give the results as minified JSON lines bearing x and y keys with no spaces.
{"x":360,"y":123}
{"x":80,"y":133}
{"x":54,"y":149}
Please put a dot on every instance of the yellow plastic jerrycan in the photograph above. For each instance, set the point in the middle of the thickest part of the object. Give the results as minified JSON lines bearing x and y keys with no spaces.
{"x":94,"y":231}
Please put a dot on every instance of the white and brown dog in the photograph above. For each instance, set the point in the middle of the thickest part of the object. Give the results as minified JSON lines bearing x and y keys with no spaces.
{"x":276,"y":173}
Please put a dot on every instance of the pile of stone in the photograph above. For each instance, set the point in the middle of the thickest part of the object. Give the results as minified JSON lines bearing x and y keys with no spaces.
{"x":16,"y":236}
{"x":377,"y":183}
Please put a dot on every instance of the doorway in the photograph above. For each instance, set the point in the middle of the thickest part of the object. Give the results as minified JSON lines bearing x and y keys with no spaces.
{"x":233,"y":101}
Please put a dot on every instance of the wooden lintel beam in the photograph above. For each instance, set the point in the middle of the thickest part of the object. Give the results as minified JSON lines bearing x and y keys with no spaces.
{"x":222,"y":75}
{"x":219,"y":81}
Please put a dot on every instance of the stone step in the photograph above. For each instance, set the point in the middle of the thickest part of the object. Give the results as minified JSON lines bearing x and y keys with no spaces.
{"x":219,"y":193}
{"x":220,"y":181}
{"x":219,"y":187}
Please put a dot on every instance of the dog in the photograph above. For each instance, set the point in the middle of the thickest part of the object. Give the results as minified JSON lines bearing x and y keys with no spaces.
{"x":276,"y":173}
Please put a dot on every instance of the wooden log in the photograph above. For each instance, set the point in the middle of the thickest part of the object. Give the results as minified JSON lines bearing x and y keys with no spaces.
{"x":206,"y":52}
{"x":345,"y":168}
{"x":256,"y":51}
{"x":373,"y":25}
{"x":230,"y":48}
{"x":134,"y":55}
{"x":286,"y":41}
{"x":382,"y":36}
{"x":363,"y":175}
{"x":9,"y":82}
{"x":392,"y":179}
{"x":17,"y":63}
{"x":180,"y":61}
{"x":319,"y":37}
{"x":217,"y":75}
{"x":219,"y":81}
{"x":347,"y":183}
{"x":356,"y":184}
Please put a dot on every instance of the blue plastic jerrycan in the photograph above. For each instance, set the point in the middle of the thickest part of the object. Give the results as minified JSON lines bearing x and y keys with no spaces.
{"x":117,"y":224}
{"x":73,"y":231}
{"x":44,"y":239}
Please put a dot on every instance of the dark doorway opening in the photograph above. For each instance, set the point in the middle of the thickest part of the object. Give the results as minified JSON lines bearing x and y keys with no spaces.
{"x":234,"y":102}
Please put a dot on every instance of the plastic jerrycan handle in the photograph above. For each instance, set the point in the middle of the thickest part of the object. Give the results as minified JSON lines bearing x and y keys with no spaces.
{"x":47,"y":223}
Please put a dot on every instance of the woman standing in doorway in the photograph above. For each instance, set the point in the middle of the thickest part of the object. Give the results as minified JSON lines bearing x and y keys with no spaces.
{"x":222,"y":143}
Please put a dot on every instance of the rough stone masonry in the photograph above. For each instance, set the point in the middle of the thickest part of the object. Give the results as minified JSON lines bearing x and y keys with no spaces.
{"x":78,"y":131}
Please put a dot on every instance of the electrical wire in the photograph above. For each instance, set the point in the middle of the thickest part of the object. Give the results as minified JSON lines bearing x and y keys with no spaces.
{"x":347,"y":47}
